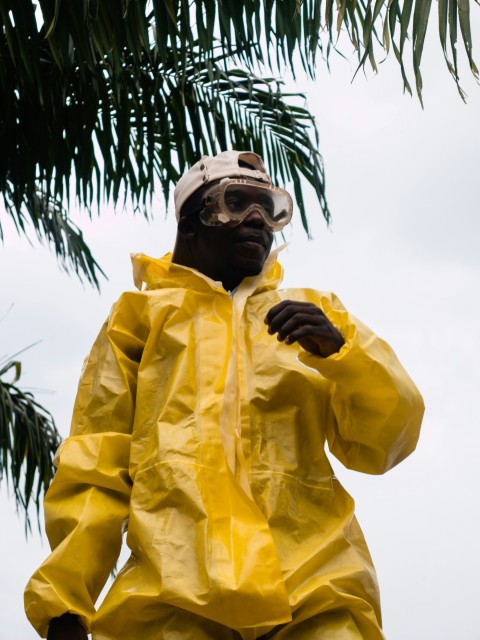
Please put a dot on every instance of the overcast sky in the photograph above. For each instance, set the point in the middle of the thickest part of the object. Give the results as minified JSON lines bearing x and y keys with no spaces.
{"x":402,"y":254}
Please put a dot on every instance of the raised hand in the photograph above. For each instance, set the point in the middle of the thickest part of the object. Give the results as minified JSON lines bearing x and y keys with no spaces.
{"x":305,"y":323}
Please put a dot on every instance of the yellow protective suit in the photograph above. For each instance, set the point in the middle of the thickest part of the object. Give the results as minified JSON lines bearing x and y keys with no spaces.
{"x":207,"y":436}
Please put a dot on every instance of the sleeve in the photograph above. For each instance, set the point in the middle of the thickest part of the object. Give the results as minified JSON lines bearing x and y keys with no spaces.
{"x":376,"y":409}
{"x":87,"y":503}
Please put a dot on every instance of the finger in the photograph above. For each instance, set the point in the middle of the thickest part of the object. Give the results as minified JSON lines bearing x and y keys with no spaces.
{"x":278,"y":308}
{"x":307,"y":332}
{"x":275,"y":310}
{"x":288,"y":311}
{"x":281,"y":318}
{"x":325,"y":344}
{"x":318,"y":323}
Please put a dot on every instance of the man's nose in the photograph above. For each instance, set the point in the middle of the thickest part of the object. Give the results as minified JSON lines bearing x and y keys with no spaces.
{"x":255,"y":217}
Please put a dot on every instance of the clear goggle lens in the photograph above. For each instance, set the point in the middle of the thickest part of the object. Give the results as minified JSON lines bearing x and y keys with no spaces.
{"x":231,"y":201}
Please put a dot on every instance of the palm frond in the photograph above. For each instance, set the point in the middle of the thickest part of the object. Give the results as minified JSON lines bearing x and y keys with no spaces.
{"x":28,"y":441}
{"x":53,"y":226}
{"x":85,"y":85}
{"x":103,"y":121}
{"x":218,"y":107}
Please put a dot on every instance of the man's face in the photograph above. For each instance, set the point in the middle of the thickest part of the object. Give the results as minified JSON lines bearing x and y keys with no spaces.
{"x":234,"y":252}
{"x":229,"y":252}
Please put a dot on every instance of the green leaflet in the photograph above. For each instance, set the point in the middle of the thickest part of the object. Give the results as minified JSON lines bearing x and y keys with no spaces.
{"x":464,"y":19}
{"x":28,"y":441}
{"x":420,"y":22}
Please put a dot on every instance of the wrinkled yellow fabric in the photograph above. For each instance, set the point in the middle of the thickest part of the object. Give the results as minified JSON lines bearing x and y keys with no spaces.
{"x":207,"y":436}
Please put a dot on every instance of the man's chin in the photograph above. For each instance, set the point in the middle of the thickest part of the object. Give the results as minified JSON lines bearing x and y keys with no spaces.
{"x":249,"y":265}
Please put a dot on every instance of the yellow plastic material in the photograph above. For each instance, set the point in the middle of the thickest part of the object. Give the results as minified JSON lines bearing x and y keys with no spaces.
{"x":205,"y":436}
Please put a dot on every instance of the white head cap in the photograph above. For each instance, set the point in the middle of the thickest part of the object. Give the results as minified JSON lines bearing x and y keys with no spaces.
{"x":228,"y":164}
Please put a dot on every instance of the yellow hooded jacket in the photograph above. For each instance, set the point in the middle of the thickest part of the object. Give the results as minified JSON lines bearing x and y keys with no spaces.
{"x":205,"y":437}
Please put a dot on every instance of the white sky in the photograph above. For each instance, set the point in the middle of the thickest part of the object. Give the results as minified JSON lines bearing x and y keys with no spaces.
{"x":403,"y":186}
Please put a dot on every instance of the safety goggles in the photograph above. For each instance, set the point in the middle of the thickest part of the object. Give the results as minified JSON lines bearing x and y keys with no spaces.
{"x":232,"y":200}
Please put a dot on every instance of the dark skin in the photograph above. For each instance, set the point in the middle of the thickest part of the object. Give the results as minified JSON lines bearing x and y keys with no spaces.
{"x":224,"y":253}
{"x":66,"y":627}
{"x":305,"y":323}
{"x":229,"y":254}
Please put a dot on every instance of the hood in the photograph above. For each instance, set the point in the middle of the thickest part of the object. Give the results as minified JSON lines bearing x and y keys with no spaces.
{"x":161,"y":273}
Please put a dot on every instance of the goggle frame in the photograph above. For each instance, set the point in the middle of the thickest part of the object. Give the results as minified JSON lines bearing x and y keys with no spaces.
{"x":215,"y":211}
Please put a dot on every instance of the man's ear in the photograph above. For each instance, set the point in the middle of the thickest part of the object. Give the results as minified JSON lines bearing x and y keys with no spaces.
{"x":187,"y":226}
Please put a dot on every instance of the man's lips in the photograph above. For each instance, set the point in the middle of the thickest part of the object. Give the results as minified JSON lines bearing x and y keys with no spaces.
{"x":257,"y":238}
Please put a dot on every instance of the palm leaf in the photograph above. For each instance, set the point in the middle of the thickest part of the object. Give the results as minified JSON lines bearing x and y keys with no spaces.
{"x":28,"y":441}
{"x":53,"y":226}
{"x":84,"y":87}
{"x":235,"y":109}
{"x":111,"y":126}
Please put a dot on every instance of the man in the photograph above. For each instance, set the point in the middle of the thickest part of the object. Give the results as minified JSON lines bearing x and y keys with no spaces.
{"x":200,"y":426}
